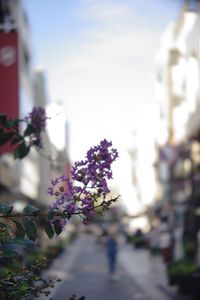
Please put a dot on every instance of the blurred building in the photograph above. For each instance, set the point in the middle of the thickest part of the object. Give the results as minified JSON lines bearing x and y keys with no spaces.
{"x":143,"y":156}
{"x":58,"y":130}
{"x":25,"y":180}
{"x":53,"y":161}
{"x":178,"y":75}
{"x":16,"y":95}
{"x":43,"y":160}
{"x":15,"y":58}
{"x":178,"y":92}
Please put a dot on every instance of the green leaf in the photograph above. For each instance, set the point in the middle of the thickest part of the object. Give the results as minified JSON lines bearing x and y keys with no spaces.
{"x":16,"y":140}
{"x":51,"y":214}
{"x":20,"y":232}
{"x":12,"y":123}
{"x":30,"y":228}
{"x":3,"y":119}
{"x":20,"y":290}
{"x":5,"y":137}
{"x":23,"y":288}
{"x":57,"y":228}
{"x":66,"y":215}
{"x":29,"y":130}
{"x":8,"y":253}
{"x":48,"y":228}
{"x":31,"y":210}
{"x":2,"y":225}
{"x":5,"y":209}
{"x":2,"y":296}
{"x":37,"y":143}
{"x":21,"y":151}
{"x":18,"y":241}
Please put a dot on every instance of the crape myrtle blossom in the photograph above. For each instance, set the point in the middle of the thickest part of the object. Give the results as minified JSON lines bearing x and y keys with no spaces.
{"x":36,"y":120}
{"x":87,"y":188}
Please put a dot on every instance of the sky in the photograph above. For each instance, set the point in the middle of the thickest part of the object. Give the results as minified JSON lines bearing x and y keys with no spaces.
{"x":99,"y":61}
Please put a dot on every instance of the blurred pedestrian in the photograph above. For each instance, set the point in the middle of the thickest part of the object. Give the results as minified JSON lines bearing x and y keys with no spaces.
{"x":165,"y":241}
{"x":112,"y":250}
{"x":178,"y":250}
{"x":198,"y":248}
{"x":153,"y":239}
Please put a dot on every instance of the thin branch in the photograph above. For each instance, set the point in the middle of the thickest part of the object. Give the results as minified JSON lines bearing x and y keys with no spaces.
{"x":22,"y":215}
{"x":58,"y":214}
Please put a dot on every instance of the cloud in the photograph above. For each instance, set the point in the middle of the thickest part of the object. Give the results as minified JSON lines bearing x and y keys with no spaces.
{"x":104,"y":10}
{"x":107,"y":72}
{"x":110,"y":65}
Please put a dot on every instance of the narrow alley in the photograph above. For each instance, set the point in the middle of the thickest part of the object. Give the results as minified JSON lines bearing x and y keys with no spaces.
{"x":82,"y":269}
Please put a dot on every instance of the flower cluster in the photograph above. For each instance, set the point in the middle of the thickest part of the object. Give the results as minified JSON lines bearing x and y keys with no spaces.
{"x":87,"y":189}
{"x":36,"y":120}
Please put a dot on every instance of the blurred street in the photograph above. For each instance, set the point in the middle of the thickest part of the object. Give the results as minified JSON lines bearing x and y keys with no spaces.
{"x":100,"y":150}
{"x":83,"y":271}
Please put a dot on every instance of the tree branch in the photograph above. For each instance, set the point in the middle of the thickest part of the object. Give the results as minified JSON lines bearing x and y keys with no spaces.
{"x":59,"y":213}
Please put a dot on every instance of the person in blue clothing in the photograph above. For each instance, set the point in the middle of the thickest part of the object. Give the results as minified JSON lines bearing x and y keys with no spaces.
{"x":112,"y":250}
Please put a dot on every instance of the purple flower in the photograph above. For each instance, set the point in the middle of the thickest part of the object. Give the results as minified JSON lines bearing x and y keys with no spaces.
{"x":81,"y":194}
{"x":71,"y":208}
{"x":61,"y":186}
{"x":53,"y":206}
{"x":86,"y":221}
{"x":63,"y":222}
{"x":36,"y":120}
{"x":97,"y":167}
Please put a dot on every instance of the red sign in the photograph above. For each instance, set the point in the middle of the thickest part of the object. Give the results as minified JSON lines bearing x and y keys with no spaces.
{"x":9,"y":77}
